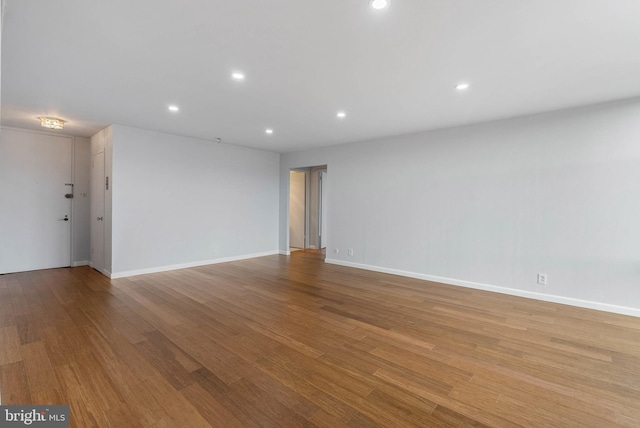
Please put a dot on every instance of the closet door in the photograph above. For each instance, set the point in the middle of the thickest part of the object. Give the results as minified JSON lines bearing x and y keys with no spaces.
{"x":97,"y":211}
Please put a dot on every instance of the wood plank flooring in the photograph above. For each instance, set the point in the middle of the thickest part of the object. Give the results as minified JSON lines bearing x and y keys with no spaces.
{"x":294,"y":342}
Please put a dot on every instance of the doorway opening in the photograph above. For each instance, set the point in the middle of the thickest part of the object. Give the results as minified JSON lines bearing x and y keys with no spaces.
{"x":297,"y":210}
{"x":308,"y":208}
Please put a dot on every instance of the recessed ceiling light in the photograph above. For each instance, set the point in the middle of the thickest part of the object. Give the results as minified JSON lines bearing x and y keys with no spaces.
{"x":174,"y":108}
{"x":237,"y":75}
{"x":462,"y":86}
{"x":379,"y":4}
{"x":341,"y":114}
{"x":269,"y":131}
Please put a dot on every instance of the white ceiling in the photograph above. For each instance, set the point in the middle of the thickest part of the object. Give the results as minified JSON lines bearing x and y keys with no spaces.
{"x":95,"y":62}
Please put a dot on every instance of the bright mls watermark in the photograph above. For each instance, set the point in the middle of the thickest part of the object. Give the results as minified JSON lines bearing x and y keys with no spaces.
{"x":34,"y":416}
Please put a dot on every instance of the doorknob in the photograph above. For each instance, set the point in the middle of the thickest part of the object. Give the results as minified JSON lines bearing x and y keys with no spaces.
{"x":99,"y":218}
{"x":66,"y":218}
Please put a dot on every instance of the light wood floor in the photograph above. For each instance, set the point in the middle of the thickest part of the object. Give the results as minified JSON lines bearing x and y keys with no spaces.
{"x":290,"y":341}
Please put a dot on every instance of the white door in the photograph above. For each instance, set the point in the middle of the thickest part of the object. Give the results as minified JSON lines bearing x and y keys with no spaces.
{"x":297,"y":208}
{"x":323,"y":209}
{"x":35,"y":216}
{"x":97,"y":211}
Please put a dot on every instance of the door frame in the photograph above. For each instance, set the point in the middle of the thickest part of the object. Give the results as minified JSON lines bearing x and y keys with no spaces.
{"x":309,"y":171}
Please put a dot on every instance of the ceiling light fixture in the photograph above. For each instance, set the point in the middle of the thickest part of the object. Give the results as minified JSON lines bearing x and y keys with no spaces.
{"x":462,"y":86}
{"x":174,"y":109}
{"x":341,"y":115}
{"x":237,"y":75}
{"x":269,"y":131}
{"x":379,"y":4}
{"x":52,"y":122}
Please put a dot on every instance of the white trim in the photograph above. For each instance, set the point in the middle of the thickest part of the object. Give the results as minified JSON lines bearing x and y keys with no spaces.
{"x":81,"y":263}
{"x":284,"y":252}
{"x":588,"y":304}
{"x":102,"y":271}
{"x":188,"y":265}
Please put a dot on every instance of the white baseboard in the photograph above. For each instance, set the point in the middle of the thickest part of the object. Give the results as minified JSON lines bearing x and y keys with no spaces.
{"x":588,"y":304}
{"x":285,"y":252}
{"x":81,"y":263}
{"x":102,"y":271}
{"x":129,"y":273}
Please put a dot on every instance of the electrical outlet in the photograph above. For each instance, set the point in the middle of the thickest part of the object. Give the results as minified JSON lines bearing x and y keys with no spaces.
{"x":351,"y":251}
{"x":335,"y":250}
{"x":542,"y":278}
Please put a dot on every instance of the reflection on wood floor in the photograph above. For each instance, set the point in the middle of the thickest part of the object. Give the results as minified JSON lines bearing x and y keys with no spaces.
{"x":291,"y":341}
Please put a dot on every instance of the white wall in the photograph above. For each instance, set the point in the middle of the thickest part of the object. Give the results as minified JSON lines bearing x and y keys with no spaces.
{"x":492,"y":205}
{"x":180,"y":201}
{"x":1,"y":20}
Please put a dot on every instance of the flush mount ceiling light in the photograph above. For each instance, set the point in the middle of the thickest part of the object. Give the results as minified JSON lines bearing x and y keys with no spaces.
{"x":379,"y":4}
{"x":52,"y":122}
{"x":174,"y":109}
{"x":462,"y":86}
{"x":341,"y":115}
{"x":237,"y":75}
{"x":269,"y":131}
